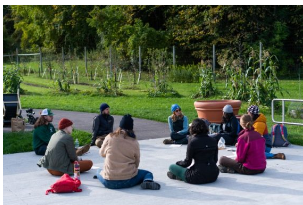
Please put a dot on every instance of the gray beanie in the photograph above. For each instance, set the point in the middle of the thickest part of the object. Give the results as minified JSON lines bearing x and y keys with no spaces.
{"x":228,"y":109}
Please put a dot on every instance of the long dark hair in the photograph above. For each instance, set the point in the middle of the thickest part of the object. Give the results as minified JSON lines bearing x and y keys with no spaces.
{"x":198,"y":126}
{"x":41,"y":121}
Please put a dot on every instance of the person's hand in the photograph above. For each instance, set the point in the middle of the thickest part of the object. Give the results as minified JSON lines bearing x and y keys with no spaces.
{"x":236,"y":144}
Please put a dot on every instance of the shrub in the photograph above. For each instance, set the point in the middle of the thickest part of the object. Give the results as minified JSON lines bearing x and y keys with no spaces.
{"x":207,"y":87}
{"x":184,"y":74}
{"x":11,"y":80}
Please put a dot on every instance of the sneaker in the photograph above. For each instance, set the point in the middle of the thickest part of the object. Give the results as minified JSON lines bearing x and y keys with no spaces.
{"x":82,"y":150}
{"x":168,"y":141}
{"x":222,"y":168}
{"x":279,"y":156}
{"x":150,"y":185}
{"x":171,"y":175}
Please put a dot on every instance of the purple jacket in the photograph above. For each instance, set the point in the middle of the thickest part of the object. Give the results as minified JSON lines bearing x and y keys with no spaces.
{"x":250,"y":150}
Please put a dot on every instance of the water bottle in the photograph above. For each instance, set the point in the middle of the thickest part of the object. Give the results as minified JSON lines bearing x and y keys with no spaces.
{"x":76,"y":170}
{"x":77,"y":143}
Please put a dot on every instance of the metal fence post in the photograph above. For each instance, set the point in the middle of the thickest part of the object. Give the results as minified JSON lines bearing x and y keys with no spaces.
{"x":139,"y":77}
{"x":260,"y":57}
{"x":17,"y":58}
{"x":110,"y":62}
{"x":174,"y":56}
{"x":85,"y":58}
{"x":40,"y":68}
{"x":214,"y":62}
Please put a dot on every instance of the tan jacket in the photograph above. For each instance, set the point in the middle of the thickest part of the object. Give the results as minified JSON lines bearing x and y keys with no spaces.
{"x":122,"y":157}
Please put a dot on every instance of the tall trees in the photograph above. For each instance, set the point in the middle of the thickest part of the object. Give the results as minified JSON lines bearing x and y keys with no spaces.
{"x":54,"y":26}
{"x":235,"y":30}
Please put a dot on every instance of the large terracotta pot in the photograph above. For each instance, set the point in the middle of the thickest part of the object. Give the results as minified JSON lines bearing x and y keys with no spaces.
{"x":212,"y":109}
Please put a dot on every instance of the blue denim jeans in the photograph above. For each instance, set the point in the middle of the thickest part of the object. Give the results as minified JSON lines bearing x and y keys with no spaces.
{"x":142,"y":175}
{"x":267,"y":153}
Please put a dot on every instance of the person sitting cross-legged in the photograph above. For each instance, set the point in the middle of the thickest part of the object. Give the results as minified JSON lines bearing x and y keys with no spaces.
{"x":60,"y":154}
{"x":122,"y":157}
{"x":178,"y":126}
{"x":204,"y":151}
{"x":102,"y":125}
{"x":250,"y":157}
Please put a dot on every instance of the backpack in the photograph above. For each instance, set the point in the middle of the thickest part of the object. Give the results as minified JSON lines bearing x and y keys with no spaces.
{"x":64,"y":185}
{"x":279,"y":136}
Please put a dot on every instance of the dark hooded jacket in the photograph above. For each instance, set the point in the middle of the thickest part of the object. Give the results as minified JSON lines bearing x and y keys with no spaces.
{"x":204,"y":150}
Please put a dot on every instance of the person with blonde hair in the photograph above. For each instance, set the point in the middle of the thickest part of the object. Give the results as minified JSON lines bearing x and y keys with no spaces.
{"x":178,"y":126}
{"x":250,"y":157}
{"x":122,"y":157}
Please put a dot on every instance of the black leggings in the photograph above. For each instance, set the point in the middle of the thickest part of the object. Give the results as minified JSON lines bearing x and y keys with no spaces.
{"x":179,"y":138}
{"x":229,"y":140}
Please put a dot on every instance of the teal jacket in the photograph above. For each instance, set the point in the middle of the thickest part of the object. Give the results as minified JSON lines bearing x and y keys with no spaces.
{"x":185,"y":125}
{"x":60,"y":153}
{"x":42,"y":135}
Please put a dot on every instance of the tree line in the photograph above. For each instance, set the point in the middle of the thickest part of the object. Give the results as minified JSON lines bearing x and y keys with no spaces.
{"x":235,"y":30}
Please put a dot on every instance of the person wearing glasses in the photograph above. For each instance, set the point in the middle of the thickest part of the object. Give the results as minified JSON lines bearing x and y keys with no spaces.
{"x":178,"y":126}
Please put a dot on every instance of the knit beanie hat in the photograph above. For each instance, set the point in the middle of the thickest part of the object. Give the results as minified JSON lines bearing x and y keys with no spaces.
{"x":103,"y":106}
{"x":253,"y":109}
{"x":174,"y":107}
{"x":228,"y":109}
{"x":127,"y":122}
{"x":64,"y":123}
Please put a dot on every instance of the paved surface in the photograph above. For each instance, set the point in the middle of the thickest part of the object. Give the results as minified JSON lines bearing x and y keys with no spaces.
{"x":282,"y":182}
{"x":144,"y":129}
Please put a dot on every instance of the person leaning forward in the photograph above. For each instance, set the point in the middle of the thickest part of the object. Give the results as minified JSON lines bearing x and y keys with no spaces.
{"x":102,"y":125}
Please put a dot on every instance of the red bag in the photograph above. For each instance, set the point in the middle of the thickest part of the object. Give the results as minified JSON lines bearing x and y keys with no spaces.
{"x":65,"y":184}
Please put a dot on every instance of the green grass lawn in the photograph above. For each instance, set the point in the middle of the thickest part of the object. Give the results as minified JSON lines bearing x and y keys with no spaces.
{"x":15,"y":142}
{"x":40,"y":94}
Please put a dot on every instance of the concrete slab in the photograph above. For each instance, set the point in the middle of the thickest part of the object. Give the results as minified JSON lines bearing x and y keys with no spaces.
{"x":282,"y":182}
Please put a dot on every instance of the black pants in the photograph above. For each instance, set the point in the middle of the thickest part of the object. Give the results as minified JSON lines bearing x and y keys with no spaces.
{"x":238,"y":167}
{"x":228,"y":139}
{"x":179,"y":138}
{"x":41,"y":150}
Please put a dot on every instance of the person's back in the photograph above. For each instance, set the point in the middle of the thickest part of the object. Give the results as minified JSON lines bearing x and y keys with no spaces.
{"x":250,"y":157}
{"x":60,"y":152}
{"x":205,"y":155}
{"x":122,"y":157}
{"x":203,"y":150}
{"x":250,"y":150}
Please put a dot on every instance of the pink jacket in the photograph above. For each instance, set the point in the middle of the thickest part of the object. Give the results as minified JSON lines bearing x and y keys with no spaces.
{"x":250,"y":150}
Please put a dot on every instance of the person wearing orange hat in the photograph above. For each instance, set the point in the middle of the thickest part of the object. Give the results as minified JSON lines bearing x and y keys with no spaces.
{"x":60,"y":154}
